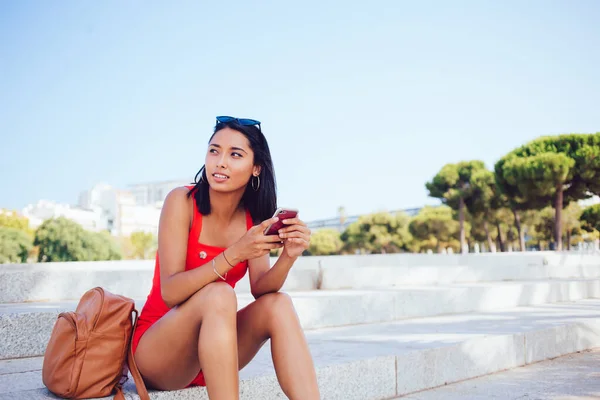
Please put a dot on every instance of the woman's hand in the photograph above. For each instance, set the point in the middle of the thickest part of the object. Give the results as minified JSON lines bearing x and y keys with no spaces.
{"x":296,"y":237}
{"x":254,"y":243}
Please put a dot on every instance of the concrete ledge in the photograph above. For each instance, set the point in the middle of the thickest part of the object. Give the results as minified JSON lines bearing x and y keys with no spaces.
{"x":561,"y":340}
{"x":26,"y":327}
{"x":381,"y":361}
{"x":424,"y":369}
{"x":426,"y":301}
{"x":391,"y":276}
{"x":325,"y":309}
{"x":68,"y":281}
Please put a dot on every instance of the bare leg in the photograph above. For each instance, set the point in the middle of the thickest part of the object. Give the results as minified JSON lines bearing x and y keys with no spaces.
{"x":273,"y":316}
{"x":199,"y":333}
{"x":217,"y":348}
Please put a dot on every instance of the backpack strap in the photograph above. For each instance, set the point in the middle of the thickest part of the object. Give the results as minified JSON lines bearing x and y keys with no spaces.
{"x":135,"y":372}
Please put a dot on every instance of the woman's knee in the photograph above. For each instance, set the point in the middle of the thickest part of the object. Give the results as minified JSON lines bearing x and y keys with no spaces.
{"x":216,"y":297}
{"x":278,"y":306}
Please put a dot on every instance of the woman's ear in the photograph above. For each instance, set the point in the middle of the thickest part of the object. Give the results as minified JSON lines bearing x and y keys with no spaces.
{"x":256,"y":170}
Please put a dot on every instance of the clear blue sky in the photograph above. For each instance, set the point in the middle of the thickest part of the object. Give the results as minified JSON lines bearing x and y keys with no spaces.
{"x":362,"y":101}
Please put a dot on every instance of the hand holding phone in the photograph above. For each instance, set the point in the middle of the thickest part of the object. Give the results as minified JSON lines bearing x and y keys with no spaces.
{"x":254,"y":243}
{"x":281,"y":213}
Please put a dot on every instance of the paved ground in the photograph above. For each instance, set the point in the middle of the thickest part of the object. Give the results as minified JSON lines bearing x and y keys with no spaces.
{"x":574,"y":377}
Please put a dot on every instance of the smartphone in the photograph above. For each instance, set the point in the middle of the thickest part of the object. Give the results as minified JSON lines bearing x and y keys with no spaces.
{"x":282,"y":213}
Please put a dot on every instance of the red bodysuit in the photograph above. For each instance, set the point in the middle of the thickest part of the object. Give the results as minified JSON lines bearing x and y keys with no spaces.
{"x":155,"y":307}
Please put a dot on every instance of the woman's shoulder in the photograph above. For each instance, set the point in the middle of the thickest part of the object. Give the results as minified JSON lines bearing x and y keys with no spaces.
{"x":179,"y":193}
{"x":177,"y":206}
{"x":177,"y":197}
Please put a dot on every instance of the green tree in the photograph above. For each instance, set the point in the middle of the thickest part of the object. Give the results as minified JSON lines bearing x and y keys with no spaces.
{"x":15,"y":245}
{"x":590,"y":218}
{"x":571,"y":222}
{"x":453,"y":186}
{"x":513,"y":199}
{"x":484,"y":202}
{"x":544,"y":226}
{"x":60,"y":239}
{"x":378,"y":233}
{"x":479,"y":231}
{"x":100,"y":246}
{"x":143,"y":243}
{"x":325,"y":242}
{"x":11,"y":219}
{"x":503,"y":220}
{"x":434,"y":228}
{"x":551,"y":170}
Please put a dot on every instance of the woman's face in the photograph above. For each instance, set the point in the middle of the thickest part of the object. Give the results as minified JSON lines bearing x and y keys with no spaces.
{"x":229,"y":161}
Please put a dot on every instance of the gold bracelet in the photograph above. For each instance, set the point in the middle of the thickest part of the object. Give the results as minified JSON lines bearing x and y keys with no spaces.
{"x":217,"y":272}
{"x":225,"y":257}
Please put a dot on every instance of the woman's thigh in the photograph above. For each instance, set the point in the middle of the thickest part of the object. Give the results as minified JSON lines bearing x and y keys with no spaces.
{"x":167,"y":353}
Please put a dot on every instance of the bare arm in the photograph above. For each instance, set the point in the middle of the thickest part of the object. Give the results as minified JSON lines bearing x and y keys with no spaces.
{"x":264,"y":279}
{"x":177,"y":284}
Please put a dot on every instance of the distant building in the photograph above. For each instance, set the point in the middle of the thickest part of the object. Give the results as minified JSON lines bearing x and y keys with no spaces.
{"x":131,"y":217}
{"x":103,"y":207}
{"x":153,"y":192}
{"x":341,"y":223}
{"x":91,"y":220}
{"x":123,"y":214}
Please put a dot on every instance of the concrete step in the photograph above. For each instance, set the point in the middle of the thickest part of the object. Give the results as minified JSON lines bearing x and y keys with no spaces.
{"x":391,"y":276}
{"x":26,"y":327}
{"x":386,"y":360}
{"x":574,"y":376}
{"x":66,"y":281}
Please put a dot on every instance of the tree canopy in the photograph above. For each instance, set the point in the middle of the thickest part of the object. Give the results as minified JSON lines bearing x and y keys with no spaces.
{"x":452,"y":185}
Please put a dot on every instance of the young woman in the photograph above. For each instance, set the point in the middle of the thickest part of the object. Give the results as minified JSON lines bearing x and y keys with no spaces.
{"x":189,"y":331}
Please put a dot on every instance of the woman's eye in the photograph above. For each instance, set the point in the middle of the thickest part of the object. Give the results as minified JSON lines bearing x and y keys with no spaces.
{"x":236,"y":154}
{"x":212,"y":151}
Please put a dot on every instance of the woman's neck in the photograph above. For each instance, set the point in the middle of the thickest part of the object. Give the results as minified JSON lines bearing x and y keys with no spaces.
{"x":223,"y":206}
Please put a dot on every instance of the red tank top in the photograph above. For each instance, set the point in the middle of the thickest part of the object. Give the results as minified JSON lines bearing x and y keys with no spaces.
{"x":198,"y":255}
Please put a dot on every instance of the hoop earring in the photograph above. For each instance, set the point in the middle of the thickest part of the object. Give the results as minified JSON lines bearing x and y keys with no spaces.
{"x":257,"y":185}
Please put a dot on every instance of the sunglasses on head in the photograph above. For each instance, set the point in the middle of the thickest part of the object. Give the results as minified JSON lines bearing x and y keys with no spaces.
{"x":241,"y":121}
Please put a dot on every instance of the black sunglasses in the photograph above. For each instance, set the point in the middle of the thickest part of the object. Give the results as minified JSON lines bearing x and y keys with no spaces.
{"x":241,"y":121}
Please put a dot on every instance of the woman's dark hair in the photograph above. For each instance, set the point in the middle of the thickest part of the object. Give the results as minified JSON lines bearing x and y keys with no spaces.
{"x":261,"y":203}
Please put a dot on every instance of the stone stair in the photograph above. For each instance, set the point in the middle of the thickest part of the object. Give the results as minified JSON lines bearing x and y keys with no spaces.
{"x":378,"y":326}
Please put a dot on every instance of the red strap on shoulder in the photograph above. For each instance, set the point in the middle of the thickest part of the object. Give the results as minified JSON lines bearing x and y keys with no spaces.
{"x":249,"y":222}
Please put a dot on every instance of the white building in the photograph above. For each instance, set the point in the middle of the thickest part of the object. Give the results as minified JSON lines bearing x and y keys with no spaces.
{"x":131,"y":217}
{"x":104,"y":207}
{"x":89,"y":219}
{"x":123,"y":214}
{"x":154,"y":192}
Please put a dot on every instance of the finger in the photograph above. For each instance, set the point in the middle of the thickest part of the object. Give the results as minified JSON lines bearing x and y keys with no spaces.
{"x":293,"y":221}
{"x":303,"y":242}
{"x":265,"y":224}
{"x":299,"y":228}
{"x":294,"y":234}
{"x":271,"y":246}
{"x":269,"y":239}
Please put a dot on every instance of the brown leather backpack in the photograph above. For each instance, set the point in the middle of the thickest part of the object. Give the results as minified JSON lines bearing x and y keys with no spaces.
{"x":89,"y":352}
